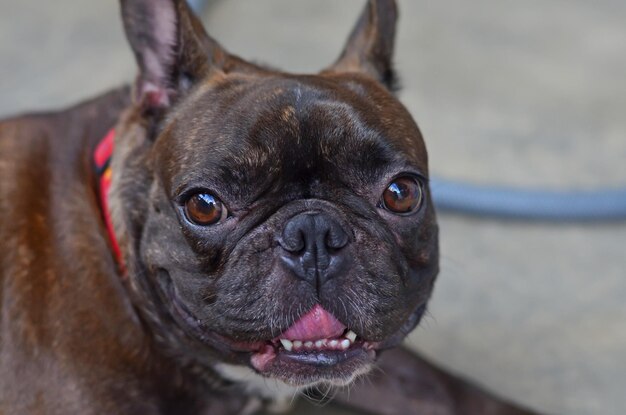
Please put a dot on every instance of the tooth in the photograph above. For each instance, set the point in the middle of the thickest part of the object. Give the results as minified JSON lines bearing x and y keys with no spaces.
{"x":297,"y":344}
{"x":345,"y":343}
{"x":319,"y":344}
{"x":333,"y":343}
{"x":308,"y":345}
{"x":351,"y":336}
{"x":287,"y":344}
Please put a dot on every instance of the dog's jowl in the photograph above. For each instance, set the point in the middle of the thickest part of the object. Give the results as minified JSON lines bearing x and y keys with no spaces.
{"x":221,"y":236}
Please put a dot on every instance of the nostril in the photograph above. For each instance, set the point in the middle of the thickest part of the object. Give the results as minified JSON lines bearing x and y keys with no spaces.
{"x":336,"y":239}
{"x":292,"y":245}
{"x":293,"y":238}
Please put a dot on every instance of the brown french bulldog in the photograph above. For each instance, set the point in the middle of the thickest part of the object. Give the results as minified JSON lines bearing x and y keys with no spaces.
{"x":276,"y":235}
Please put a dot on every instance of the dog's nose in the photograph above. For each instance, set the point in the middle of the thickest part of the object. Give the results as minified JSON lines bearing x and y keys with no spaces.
{"x":313,"y":245}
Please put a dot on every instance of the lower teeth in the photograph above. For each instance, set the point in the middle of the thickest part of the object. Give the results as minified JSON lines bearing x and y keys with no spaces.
{"x":320,"y":345}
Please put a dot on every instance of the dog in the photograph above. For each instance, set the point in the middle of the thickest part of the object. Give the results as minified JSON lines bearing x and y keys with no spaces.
{"x":221,"y":237}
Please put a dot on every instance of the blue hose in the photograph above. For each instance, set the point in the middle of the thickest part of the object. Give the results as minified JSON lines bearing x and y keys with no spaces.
{"x":197,"y":5}
{"x":550,"y":205}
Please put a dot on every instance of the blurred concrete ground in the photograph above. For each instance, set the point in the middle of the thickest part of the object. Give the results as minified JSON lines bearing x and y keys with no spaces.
{"x":525,"y":93}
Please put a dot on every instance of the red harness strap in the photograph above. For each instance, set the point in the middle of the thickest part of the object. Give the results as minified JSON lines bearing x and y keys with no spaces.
{"x":102,"y":158}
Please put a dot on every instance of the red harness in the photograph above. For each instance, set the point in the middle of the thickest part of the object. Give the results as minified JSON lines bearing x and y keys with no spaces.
{"x":102,"y":158}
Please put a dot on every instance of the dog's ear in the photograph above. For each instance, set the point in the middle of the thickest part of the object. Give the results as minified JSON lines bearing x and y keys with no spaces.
{"x":370,"y":46}
{"x":171,"y":47}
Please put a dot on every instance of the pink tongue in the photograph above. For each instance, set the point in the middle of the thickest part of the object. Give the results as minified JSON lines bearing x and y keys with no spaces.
{"x":315,"y":325}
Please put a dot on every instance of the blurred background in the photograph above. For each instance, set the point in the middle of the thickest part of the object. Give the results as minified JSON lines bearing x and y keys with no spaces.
{"x":526,"y":93}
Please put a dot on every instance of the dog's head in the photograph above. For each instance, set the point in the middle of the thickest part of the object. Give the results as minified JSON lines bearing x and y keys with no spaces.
{"x":277,"y":221}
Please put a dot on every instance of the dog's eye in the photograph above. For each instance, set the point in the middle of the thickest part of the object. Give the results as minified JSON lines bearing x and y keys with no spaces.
{"x":205,"y":209}
{"x":403,"y":195}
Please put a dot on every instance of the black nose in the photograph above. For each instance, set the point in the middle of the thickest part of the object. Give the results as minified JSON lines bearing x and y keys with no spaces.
{"x":313,"y":245}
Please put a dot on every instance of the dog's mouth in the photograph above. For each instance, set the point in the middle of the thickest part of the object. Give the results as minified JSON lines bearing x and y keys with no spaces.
{"x":317,"y":347}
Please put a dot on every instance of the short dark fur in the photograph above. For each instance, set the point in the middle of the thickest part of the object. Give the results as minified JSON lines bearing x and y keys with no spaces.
{"x":78,"y":337}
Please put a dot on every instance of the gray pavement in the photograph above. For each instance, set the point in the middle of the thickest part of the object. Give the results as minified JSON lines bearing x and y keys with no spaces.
{"x":524,"y":93}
